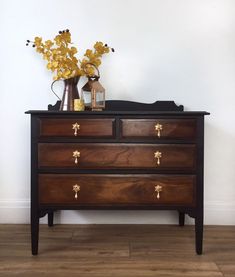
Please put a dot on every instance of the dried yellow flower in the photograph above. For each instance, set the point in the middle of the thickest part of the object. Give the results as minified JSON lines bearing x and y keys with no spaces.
{"x":61,"y":59}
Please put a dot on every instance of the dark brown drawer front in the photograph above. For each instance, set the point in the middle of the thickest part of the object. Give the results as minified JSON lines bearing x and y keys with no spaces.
{"x":122,"y":156}
{"x":77,"y":127}
{"x":159,"y":128}
{"x":117,"y":189}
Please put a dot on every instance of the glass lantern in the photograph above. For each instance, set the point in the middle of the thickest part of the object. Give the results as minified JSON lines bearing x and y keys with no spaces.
{"x":93,"y":94}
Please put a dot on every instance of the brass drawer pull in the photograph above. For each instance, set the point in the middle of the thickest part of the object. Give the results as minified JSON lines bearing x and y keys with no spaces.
{"x":158,"y":155}
{"x":76,"y":155}
{"x":158,"y":189}
{"x":76,"y":127}
{"x":76,"y":189}
{"x":158,"y":128}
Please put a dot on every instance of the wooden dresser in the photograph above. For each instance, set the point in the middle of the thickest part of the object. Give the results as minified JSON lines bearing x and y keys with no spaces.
{"x":129,"y":156}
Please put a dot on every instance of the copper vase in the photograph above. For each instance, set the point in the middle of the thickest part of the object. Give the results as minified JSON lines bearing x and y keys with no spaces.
{"x":70,"y":93}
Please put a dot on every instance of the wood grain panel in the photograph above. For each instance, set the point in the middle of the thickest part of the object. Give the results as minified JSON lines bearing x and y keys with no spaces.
{"x":182,"y":156}
{"x":171,"y":128}
{"x":96,"y":189}
{"x":63,"y":127}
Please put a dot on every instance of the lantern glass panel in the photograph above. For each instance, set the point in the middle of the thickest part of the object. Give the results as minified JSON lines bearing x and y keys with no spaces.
{"x":99,"y":99}
{"x":87,"y":98}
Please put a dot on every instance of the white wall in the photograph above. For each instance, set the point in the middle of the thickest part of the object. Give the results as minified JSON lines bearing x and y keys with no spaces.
{"x":181,"y":50}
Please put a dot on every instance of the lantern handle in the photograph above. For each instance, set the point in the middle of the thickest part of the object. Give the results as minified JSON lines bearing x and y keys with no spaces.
{"x":93,"y":76}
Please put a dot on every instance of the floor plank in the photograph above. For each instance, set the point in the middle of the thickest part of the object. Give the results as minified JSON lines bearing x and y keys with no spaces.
{"x":117,"y":250}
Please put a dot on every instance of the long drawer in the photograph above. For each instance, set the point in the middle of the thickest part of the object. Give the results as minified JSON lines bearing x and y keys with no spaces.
{"x":97,"y":189}
{"x":120,"y":156}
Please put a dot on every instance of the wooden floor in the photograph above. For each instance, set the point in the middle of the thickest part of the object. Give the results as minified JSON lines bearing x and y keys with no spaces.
{"x":117,"y":250}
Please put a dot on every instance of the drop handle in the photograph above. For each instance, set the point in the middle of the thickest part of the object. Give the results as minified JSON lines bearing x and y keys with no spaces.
{"x":76,"y":155}
{"x":76,"y":189}
{"x":158,"y":189}
{"x":158,"y":128}
{"x":75,"y":127}
{"x":158,"y":156}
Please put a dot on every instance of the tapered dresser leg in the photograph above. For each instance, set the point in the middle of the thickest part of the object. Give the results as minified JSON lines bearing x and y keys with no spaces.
{"x":50,"y":219}
{"x":181,"y":218}
{"x":34,"y":234}
{"x":199,"y":234}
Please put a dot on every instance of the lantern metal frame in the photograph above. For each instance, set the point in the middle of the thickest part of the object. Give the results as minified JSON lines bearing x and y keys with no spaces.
{"x":94,"y":87}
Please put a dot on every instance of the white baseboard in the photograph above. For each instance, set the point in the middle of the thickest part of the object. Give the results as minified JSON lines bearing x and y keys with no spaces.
{"x":18,"y":212}
{"x":219,"y":213}
{"x":14,"y":211}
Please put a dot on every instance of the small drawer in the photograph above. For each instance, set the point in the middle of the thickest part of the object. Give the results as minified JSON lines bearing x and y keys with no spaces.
{"x":97,"y":189}
{"x":119,"y":156}
{"x":159,"y":128}
{"x":77,"y":127}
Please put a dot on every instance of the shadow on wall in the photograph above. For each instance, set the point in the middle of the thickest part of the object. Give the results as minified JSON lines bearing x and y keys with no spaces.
{"x":219,"y":173}
{"x":117,"y":217}
{"x":219,"y":160}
